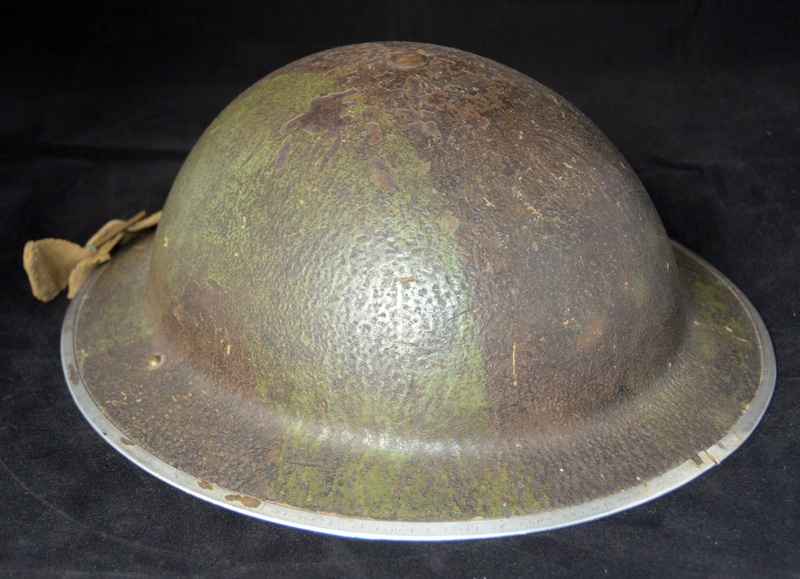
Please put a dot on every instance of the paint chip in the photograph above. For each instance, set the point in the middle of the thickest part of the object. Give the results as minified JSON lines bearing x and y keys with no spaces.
{"x":248,"y":502}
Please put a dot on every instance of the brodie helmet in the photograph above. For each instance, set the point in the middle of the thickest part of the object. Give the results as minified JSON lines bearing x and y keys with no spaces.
{"x":401,"y":291}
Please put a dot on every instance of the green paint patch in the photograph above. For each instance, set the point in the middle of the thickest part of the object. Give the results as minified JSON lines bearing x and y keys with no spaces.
{"x":294,"y":210}
{"x":728,"y":315}
{"x":641,"y":292}
{"x":218,"y":189}
{"x":354,"y":306}
{"x":315,"y":473}
{"x":715,"y":376}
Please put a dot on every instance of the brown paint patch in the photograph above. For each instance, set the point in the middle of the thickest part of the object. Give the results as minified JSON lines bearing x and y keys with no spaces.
{"x":374,"y":135}
{"x":203,"y":319}
{"x":380,"y":174}
{"x":406,"y":115}
{"x":248,"y":502}
{"x":412,"y":87}
{"x":283,"y":152}
{"x":126,"y":441}
{"x":273,"y":456}
{"x":451,"y":224}
{"x":266,"y":491}
{"x":206,"y":485}
{"x":428,"y":129}
{"x":437,"y":99}
{"x":326,"y":114}
{"x":593,"y":329}
{"x":335,"y":147}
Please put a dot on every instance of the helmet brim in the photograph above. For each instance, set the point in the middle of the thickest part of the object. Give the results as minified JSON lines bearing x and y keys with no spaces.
{"x":146,"y":399}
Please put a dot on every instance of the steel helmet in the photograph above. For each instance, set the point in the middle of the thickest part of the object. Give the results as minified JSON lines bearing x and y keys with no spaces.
{"x":403,"y":291}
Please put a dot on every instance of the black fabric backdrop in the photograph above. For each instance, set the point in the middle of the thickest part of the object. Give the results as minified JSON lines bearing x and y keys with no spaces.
{"x":101,"y":101}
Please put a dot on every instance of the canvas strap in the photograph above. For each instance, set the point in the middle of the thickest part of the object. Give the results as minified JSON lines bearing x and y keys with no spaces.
{"x":55,"y":264}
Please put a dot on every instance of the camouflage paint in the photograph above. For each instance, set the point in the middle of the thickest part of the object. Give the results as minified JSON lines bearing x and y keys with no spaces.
{"x":402,"y":282}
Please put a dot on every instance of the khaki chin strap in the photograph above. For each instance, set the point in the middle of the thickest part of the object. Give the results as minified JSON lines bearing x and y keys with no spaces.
{"x":55,"y":264}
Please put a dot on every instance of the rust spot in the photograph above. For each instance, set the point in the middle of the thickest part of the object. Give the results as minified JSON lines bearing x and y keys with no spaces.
{"x":406,"y":60}
{"x":380,"y":174}
{"x":374,"y":135}
{"x":206,"y":485}
{"x":126,"y":441}
{"x":72,"y":373}
{"x":325,"y":114}
{"x":248,"y":502}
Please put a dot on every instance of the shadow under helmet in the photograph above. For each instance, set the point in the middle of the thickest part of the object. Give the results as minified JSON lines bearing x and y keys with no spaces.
{"x":402,"y":291}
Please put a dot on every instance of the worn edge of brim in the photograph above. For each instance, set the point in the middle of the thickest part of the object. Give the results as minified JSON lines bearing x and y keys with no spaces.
{"x":429,"y":531}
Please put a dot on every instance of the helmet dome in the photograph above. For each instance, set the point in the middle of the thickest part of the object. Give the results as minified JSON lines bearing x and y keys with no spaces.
{"x":418,"y":242}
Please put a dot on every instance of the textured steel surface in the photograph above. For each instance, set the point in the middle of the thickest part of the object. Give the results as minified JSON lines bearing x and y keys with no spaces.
{"x":644,"y":490}
{"x":405,"y":283}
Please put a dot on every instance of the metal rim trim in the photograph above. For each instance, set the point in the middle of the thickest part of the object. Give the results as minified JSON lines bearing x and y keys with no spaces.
{"x":429,"y":531}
